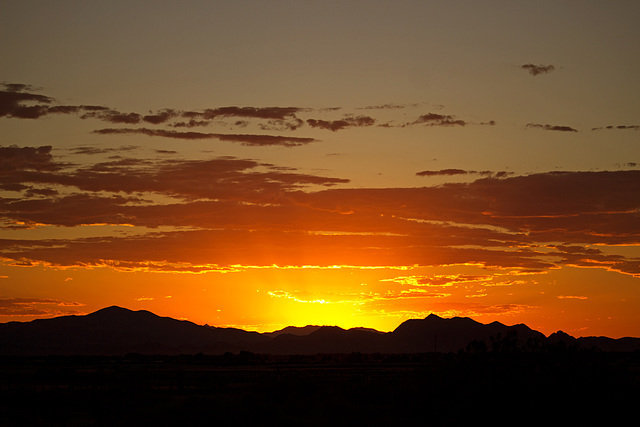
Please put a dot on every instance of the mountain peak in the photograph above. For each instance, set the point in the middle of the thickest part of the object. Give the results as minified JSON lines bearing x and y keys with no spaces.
{"x":561,"y":336}
{"x":119,"y":312}
{"x":112,"y":309}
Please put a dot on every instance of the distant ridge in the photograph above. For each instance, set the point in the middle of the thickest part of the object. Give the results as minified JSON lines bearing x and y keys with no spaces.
{"x":435,"y":333}
{"x":117,"y":331}
{"x":294,"y":330}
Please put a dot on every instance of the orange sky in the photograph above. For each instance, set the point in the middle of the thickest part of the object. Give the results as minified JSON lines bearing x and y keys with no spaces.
{"x":352,"y":164}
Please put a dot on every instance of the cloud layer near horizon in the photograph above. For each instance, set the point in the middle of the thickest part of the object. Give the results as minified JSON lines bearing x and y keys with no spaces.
{"x":226,"y":212}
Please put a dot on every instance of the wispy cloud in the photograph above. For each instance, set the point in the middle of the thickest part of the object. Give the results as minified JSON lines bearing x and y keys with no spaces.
{"x":38,"y":307}
{"x":441,"y":280}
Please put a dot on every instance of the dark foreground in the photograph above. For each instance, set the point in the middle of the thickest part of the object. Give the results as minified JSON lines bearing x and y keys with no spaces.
{"x":349,"y":389}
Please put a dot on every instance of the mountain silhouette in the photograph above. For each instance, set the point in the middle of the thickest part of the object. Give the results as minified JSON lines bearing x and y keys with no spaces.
{"x":116,"y":331}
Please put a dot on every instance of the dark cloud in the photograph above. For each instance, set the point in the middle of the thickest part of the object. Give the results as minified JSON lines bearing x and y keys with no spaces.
{"x":346,"y":122}
{"x":534,"y":70}
{"x":552,"y":127}
{"x":160,"y":117}
{"x":585,"y":207}
{"x":579,"y":207}
{"x":588,"y":257}
{"x":14,"y":158}
{"x":14,"y":187}
{"x":70,"y":210}
{"x":219,"y":178}
{"x":16,"y":87}
{"x":224,"y":178}
{"x":15,"y":102}
{"x":23,"y":105}
{"x":245,"y":139}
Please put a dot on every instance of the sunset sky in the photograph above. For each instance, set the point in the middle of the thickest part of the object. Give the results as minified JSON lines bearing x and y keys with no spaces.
{"x":354,"y":163}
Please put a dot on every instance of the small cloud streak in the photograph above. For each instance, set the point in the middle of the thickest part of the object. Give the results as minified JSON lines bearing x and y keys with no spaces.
{"x":434,"y":119}
{"x":572,"y":297}
{"x":535,"y":70}
{"x":619,"y":127}
{"x":244,"y":139}
{"x":452,"y":172}
{"x":443,"y":120}
{"x":347,"y":122}
{"x":551,"y":127}
{"x":443,"y":172}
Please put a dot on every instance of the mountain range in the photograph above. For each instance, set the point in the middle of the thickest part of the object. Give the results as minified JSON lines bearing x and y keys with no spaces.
{"x":118,"y":331}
